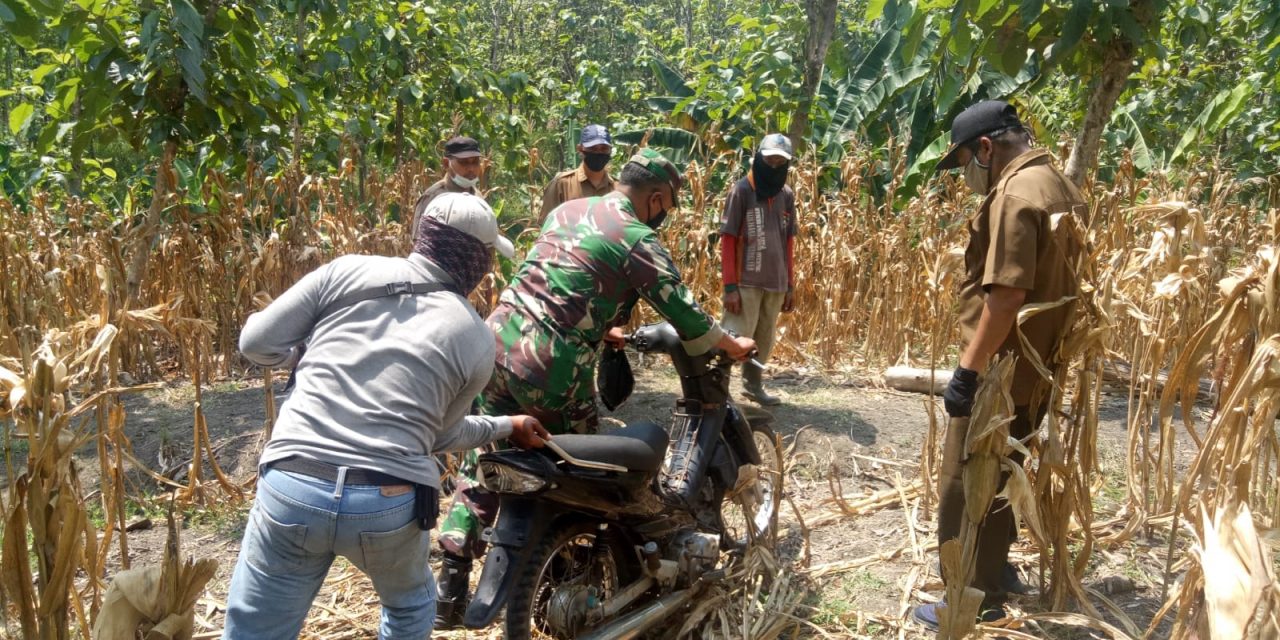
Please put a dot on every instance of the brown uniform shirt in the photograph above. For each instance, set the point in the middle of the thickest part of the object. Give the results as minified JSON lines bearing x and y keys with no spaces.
{"x":1012,"y":242}
{"x":443,"y":185}
{"x":572,"y":185}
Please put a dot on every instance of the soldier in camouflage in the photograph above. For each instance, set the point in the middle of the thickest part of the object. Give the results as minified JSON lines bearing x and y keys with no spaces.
{"x":596,"y":258}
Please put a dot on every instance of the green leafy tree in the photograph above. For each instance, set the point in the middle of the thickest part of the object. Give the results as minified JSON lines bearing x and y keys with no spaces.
{"x":156,"y":77}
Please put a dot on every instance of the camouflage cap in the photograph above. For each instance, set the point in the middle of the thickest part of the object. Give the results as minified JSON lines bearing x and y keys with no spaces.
{"x":660,"y":166}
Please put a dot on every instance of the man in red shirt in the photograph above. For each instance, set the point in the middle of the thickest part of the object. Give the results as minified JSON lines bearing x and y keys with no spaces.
{"x":757,"y":239}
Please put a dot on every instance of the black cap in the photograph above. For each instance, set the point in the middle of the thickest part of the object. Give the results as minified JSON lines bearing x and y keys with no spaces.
{"x":980,"y":119}
{"x":462,"y":147}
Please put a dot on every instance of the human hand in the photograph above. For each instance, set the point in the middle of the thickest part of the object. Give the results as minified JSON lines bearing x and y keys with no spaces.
{"x":789,"y":302}
{"x":615,"y":338}
{"x":732,"y":302}
{"x":737,"y":348}
{"x":528,"y":433}
{"x":958,"y":398}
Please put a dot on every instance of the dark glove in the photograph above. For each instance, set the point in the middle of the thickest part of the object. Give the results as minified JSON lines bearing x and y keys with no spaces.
{"x":958,"y":398}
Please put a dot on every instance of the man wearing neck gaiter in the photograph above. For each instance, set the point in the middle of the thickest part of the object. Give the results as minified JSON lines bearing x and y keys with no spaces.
{"x":591,"y":178}
{"x":395,"y":355}
{"x":757,"y":236}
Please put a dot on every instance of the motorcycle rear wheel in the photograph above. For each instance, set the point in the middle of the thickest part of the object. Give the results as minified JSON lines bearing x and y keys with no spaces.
{"x":564,"y":560}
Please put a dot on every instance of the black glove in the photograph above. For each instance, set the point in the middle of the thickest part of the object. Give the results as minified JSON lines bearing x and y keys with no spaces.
{"x":958,"y":398}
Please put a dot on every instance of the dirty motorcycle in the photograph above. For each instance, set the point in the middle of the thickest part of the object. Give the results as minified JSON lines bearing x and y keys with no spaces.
{"x":612,"y":535}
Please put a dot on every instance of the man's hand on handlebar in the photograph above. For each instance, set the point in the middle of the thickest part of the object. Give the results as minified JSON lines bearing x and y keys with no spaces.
{"x":737,"y":348}
{"x":527,"y":432}
{"x":615,"y":338}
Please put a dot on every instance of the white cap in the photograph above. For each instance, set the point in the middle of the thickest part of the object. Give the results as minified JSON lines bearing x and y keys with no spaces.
{"x":776,"y":144}
{"x":470,"y":213}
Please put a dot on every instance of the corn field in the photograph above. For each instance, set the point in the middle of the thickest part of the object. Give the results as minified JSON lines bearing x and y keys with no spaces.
{"x":1182,"y":301}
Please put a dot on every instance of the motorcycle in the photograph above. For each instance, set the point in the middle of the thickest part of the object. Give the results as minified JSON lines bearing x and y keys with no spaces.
{"x":606,"y":536}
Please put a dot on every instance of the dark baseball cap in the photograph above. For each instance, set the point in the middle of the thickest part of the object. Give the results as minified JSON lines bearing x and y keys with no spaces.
{"x":462,"y":147}
{"x":986,"y":117}
{"x":594,"y":134}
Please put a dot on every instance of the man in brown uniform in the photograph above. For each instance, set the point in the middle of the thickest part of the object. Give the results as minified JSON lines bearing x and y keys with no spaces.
{"x":1014,"y":257}
{"x":461,"y":174}
{"x":591,"y":178}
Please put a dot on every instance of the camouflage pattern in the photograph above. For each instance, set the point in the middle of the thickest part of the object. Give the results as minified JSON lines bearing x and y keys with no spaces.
{"x":474,"y":508}
{"x":507,"y":395}
{"x":584,"y":275}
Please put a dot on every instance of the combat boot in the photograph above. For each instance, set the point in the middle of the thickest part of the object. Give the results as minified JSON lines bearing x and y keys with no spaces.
{"x":453,"y":585}
{"x":753,"y":386}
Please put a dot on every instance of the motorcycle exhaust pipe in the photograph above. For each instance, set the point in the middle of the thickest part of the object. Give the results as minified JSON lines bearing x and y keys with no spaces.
{"x":634,"y":624}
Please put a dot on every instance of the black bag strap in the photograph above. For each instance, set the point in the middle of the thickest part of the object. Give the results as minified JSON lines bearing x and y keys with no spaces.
{"x":387,"y":290}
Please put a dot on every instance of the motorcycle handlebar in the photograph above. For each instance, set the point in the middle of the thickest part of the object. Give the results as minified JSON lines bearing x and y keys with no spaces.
{"x":650,"y":338}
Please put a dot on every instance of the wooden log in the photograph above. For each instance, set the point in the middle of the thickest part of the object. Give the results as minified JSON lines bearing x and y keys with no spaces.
{"x":1114,"y":373}
{"x":916,"y":380}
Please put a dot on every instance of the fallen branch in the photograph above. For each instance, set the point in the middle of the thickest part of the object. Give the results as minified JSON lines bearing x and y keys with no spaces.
{"x":842,"y":566}
{"x":867,"y":504}
{"x":1117,"y":373}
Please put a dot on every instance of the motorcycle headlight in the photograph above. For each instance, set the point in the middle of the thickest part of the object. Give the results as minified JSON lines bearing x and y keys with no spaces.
{"x":499,"y":478}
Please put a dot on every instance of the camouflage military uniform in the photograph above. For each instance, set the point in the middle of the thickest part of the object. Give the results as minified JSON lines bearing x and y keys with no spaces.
{"x":584,"y":275}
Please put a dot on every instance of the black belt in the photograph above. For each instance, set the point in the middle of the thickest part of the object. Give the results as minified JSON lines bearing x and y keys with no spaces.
{"x":323,"y":471}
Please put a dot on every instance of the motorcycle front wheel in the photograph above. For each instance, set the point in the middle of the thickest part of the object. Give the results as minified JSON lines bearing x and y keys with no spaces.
{"x":749,"y":512}
{"x":565,"y":569}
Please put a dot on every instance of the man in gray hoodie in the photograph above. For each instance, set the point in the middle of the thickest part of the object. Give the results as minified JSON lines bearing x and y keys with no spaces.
{"x":395,"y":355}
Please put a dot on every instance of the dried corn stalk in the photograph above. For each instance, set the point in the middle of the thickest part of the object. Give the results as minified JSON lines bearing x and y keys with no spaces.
{"x":46,"y":500}
{"x":1241,"y":599}
{"x":157,"y":602}
{"x":1233,"y":473}
{"x":985,"y":450}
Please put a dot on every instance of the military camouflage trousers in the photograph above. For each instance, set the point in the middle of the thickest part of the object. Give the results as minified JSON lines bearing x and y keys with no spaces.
{"x":506,"y":395}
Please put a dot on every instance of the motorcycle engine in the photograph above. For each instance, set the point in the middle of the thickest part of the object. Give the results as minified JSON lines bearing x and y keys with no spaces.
{"x":695,"y":552}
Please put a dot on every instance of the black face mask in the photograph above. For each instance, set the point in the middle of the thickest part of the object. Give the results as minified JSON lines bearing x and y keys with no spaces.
{"x":656,"y":221}
{"x":769,"y":180}
{"x":596,"y":161}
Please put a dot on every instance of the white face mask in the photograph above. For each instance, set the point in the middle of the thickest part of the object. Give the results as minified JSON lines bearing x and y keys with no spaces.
{"x":977,"y":176}
{"x":465,"y":183}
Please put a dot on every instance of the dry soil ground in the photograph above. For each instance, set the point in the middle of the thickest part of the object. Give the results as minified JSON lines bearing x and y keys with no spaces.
{"x":845,"y":435}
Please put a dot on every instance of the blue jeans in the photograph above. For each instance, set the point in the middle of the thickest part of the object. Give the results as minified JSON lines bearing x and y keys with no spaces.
{"x":295,"y":529}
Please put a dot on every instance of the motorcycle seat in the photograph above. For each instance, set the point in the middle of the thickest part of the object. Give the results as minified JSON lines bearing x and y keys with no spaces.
{"x":639,"y":446}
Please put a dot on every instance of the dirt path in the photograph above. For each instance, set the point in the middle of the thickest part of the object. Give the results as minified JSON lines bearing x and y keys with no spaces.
{"x":845,"y":436}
